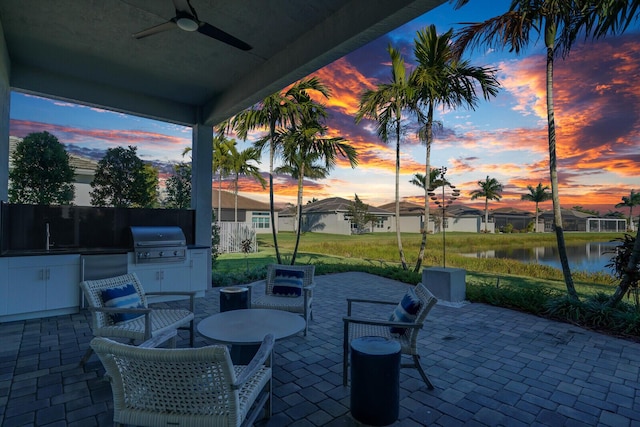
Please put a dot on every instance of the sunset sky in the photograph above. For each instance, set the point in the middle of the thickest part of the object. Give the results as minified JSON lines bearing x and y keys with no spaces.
{"x":597,"y":100}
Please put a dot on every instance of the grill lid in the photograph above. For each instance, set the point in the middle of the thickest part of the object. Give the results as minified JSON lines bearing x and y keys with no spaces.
{"x":158,"y":244}
{"x":157,"y":236}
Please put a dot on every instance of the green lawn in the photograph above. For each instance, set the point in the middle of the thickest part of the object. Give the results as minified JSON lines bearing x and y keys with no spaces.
{"x":379,"y":251}
{"x":531,"y":288}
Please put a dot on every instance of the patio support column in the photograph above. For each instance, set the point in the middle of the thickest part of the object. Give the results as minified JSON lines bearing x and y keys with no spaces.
{"x":5,"y":102}
{"x":202,"y":158}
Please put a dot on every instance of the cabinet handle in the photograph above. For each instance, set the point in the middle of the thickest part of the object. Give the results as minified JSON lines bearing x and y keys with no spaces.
{"x":48,"y":273}
{"x":41,"y":274}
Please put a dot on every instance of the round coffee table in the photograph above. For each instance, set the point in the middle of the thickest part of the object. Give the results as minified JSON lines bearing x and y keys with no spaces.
{"x":245,"y":329}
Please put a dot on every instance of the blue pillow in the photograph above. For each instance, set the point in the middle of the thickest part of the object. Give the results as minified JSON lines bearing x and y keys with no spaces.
{"x":406,"y":311}
{"x":124,"y":296}
{"x":288,"y":283}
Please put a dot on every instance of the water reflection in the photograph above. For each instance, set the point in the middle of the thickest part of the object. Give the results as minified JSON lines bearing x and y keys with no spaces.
{"x":590,"y":257}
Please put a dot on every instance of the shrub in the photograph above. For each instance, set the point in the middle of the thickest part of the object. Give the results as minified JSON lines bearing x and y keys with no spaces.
{"x":530,"y":300}
{"x":220,"y":279}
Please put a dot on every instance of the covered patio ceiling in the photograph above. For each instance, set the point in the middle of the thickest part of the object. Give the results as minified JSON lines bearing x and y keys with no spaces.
{"x":83,"y":50}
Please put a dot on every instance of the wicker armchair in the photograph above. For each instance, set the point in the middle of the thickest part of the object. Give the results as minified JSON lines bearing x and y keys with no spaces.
{"x":150,"y":325}
{"x":186,"y":386}
{"x":355,"y":327}
{"x":302,"y":304}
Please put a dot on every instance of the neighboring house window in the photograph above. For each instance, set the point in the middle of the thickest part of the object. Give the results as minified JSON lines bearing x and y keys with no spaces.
{"x":380,"y":223}
{"x":260,"y":219}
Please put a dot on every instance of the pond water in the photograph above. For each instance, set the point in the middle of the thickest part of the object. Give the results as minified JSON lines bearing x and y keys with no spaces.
{"x":589,"y":257}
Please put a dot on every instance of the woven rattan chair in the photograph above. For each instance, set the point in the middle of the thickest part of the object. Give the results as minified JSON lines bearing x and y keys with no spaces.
{"x":186,"y":386}
{"x":355,"y":327}
{"x":154,"y":323}
{"x":302,"y":304}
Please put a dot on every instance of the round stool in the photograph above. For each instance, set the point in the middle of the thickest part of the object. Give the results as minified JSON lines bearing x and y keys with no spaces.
{"x":234,"y":298}
{"x":375,"y":380}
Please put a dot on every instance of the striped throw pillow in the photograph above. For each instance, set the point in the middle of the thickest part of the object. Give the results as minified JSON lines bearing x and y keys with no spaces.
{"x":124,"y":296}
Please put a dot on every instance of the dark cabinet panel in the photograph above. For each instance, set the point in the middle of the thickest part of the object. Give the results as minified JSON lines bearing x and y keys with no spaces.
{"x":24,"y":227}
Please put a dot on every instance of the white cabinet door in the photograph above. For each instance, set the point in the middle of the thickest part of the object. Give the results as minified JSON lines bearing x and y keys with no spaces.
{"x":175,"y":279}
{"x":63,"y":285}
{"x":42,"y":283}
{"x":27,"y":289}
{"x":162,"y":277}
{"x":200,"y":277}
{"x":151,"y":279}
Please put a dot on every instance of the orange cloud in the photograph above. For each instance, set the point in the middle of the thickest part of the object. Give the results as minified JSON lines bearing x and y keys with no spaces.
{"x":347,"y":84}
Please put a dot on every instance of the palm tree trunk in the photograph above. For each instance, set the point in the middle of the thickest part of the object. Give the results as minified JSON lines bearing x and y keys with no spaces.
{"x":272,"y":210}
{"x":298,"y":214}
{"x":398,"y":236}
{"x":235,"y":201}
{"x":427,"y":184}
{"x":486,"y":215}
{"x":625,"y":282}
{"x":535,"y":226}
{"x":553,"y":171}
{"x":219,"y":195}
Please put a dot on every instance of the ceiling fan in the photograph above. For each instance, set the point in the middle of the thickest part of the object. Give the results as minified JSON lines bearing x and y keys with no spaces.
{"x":187,"y":19}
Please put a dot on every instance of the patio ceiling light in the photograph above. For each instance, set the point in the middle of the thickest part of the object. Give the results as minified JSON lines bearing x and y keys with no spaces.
{"x":187,"y":24}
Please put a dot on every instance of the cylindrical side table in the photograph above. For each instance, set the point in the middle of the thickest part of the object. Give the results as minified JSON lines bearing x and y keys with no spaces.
{"x":375,"y":380}
{"x":234,"y":298}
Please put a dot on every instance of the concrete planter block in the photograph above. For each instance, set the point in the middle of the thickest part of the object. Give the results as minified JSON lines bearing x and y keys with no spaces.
{"x":446,"y":284}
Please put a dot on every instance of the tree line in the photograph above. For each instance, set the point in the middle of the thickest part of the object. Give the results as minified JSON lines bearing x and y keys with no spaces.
{"x":42,"y":174}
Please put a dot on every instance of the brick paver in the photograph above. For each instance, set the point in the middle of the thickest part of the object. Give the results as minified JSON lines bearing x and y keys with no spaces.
{"x":490,"y":367}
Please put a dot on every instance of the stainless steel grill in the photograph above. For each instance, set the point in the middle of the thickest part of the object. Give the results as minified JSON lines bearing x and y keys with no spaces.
{"x":158,"y":244}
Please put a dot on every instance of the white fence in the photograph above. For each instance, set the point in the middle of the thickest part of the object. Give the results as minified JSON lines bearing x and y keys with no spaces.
{"x":232,"y":236}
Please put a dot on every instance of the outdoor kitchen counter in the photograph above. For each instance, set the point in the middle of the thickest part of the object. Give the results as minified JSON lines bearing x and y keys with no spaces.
{"x":63,"y":251}
{"x":80,"y":251}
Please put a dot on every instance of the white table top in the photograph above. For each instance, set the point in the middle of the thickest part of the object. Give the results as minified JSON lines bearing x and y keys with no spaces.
{"x":249,"y":326}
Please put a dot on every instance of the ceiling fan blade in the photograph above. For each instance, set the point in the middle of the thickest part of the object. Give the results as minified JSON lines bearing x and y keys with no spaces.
{"x":218,"y":34}
{"x":169,"y":25}
{"x":184,"y":6}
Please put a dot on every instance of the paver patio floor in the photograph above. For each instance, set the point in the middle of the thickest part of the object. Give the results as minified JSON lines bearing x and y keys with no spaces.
{"x":490,"y":367}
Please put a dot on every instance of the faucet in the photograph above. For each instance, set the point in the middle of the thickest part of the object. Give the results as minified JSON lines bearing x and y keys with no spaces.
{"x":48,"y":233}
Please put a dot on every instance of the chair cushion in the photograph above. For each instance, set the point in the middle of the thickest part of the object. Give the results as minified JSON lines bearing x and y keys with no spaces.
{"x":288,"y":283}
{"x":124,"y":296}
{"x":406,"y":311}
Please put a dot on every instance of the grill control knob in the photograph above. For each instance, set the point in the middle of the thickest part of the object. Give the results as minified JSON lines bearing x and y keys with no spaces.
{"x":175,"y":253}
{"x":161,"y":253}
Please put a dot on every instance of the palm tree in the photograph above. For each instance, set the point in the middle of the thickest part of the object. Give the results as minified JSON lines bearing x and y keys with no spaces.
{"x":537,"y":195}
{"x":630,"y":202}
{"x":385,"y":105}
{"x":222,"y":162}
{"x":278,"y":110}
{"x":441,"y":79}
{"x":241,"y":163}
{"x":558,"y":23}
{"x":603,"y":17}
{"x":420,"y":180}
{"x":303,"y":147}
{"x":490,"y":189}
